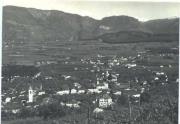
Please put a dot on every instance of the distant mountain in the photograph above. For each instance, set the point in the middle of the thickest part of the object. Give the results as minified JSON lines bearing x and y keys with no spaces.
{"x":119,"y":23}
{"x":132,"y":30}
{"x":33,"y":24}
{"x":161,"y":26}
{"x":28,"y":24}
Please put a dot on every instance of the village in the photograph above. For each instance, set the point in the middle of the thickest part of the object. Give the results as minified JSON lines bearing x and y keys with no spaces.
{"x":89,"y":62}
{"x":111,"y":79}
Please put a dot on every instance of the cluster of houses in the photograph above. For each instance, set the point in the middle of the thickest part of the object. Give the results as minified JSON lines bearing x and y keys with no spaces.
{"x":40,"y":63}
{"x":102,"y":89}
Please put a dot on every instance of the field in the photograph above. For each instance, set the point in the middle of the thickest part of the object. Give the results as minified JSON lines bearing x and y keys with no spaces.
{"x":29,"y":52}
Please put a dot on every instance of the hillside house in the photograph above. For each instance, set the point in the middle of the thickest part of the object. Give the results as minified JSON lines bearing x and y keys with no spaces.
{"x":130,"y":65}
{"x":118,"y":93}
{"x":63,"y":92}
{"x":105,"y":101}
{"x":77,"y":85}
{"x":14,"y":111}
{"x":98,"y":110}
{"x":71,"y":104}
{"x":93,"y":91}
{"x":74,"y":91}
{"x":8,"y":99}
{"x":81,"y":91}
{"x":41,"y":93}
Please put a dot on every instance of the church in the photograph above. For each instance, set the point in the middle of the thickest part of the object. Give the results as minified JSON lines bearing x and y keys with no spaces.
{"x":34,"y":93}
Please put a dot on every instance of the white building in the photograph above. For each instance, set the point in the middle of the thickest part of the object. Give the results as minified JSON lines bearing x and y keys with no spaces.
{"x":177,"y":80}
{"x":97,"y":81}
{"x":105,"y":101}
{"x":137,"y":95}
{"x":103,"y":86}
{"x":107,"y":73}
{"x":14,"y":111}
{"x":73,"y":91}
{"x":118,"y":93}
{"x":72,"y":104}
{"x":130,"y":65}
{"x":81,"y":91}
{"x":41,"y":93}
{"x":63,"y":92}
{"x":8,"y":99}
{"x":98,"y":110}
{"x":30,"y":95}
{"x":94,"y":91}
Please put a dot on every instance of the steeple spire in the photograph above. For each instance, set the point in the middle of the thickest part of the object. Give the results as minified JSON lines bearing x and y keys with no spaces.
{"x":30,"y":94}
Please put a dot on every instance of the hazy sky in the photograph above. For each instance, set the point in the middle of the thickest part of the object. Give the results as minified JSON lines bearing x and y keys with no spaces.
{"x":99,"y":9}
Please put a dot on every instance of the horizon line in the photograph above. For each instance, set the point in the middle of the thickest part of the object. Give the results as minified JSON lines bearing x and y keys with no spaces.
{"x":141,"y":20}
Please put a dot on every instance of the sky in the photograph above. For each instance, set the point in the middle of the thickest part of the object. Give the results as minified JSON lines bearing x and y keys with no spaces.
{"x":98,"y":9}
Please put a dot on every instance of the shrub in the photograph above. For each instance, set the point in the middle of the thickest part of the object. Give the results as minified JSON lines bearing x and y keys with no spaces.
{"x":51,"y":110}
{"x":122,"y":100}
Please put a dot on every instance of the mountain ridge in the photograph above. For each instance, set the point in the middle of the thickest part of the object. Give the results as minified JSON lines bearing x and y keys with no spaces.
{"x":32,"y":24}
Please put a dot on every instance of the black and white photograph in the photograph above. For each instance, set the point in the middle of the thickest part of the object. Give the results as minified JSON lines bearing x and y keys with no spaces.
{"x":90,"y":62}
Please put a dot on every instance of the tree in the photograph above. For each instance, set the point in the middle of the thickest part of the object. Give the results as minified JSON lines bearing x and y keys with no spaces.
{"x":51,"y":109}
{"x":26,"y":112}
{"x":122,"y":100}
{"x":145,"y":97}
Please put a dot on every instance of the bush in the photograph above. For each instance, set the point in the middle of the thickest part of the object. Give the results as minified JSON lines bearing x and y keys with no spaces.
{"x":122,"y":100}
{"x":51,"y":111}
{"x":145,"y":97}
{"x":27,"y":112}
